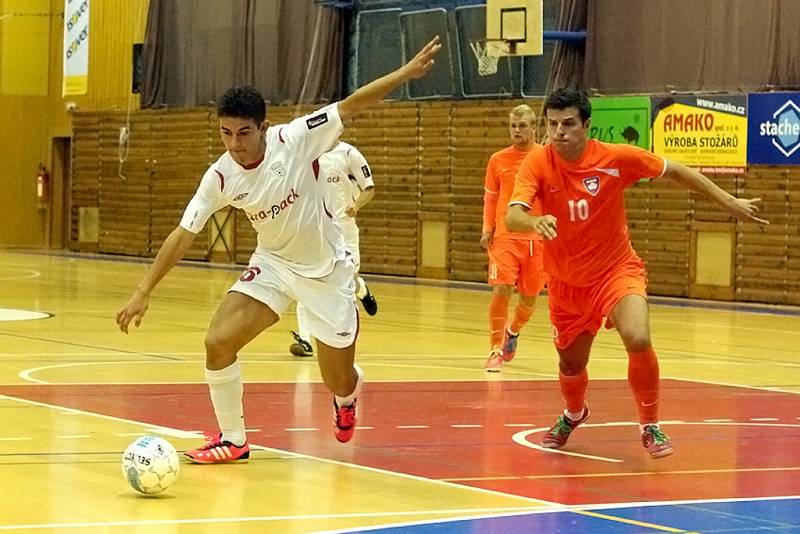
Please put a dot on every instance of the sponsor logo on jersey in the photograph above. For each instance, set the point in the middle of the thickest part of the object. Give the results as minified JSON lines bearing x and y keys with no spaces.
{"x":278,"y":169}
{"x":240,"y":196}
{"x":366,"y":171}
{"x":316,"y":120}
{"x":276,"y":209}
{"x":592,"y":185}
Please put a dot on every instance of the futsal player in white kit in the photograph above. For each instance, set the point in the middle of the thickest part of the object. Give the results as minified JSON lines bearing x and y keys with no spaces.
{"x":347,"y":187}
{"x":272,"y":174}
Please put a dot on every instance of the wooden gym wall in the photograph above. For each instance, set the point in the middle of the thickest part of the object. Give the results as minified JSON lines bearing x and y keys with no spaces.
{"x":428,"y":161}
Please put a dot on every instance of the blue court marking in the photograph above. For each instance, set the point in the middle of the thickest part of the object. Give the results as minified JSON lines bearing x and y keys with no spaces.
{"x":780,"y":515}
{"x":767,"y":309}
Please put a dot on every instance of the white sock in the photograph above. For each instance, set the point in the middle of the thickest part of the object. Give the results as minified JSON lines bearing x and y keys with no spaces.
{"x":302,"y":323}
{"x":227,"y":390}
{"x":574,"y":416}
{"x":350,"y":399}
{"x":641,"y":427}
{"x":361,"y":288}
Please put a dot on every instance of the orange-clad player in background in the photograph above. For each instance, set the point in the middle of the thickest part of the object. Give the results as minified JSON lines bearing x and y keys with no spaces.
{"x":594,"y":272}
{"x":515,"y":259}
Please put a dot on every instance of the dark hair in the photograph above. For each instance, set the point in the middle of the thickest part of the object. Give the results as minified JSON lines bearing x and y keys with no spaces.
{"x":242,"y":102}
{"x":569,"y":98}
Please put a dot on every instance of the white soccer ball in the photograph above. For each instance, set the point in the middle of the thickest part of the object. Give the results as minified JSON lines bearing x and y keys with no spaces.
{"x":150,"y":464}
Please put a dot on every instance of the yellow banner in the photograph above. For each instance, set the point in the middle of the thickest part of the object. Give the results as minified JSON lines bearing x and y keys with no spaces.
{"x":700,"y":135}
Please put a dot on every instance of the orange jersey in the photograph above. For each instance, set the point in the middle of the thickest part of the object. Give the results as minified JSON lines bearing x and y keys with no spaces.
{"x":501,"y":173}
{"x":587,"y":198}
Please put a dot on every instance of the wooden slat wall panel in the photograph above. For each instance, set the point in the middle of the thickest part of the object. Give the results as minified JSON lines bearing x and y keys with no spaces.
{"x":434,"y":157}
{"x":125,"y":201}
{"x":388,"y":136}
{"x":85,"y":176}
{"x":767,"y":267}
{"x":427,"y":158}
{"x":180,"y":153}
{"x":658,"y":217}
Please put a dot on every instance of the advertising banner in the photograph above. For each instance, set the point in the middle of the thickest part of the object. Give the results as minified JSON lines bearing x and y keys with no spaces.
{"x":76,"y":47}
{"x":708,"y":133}
{"x":773,"y":131}
{"x":623,"y":119}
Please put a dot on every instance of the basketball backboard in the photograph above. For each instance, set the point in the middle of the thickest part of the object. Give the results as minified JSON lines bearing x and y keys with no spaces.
{"x":514,"y":27}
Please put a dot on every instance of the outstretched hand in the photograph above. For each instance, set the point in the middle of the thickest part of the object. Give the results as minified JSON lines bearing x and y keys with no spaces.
{"x":423,"y":61}
{"x":746,"y":208}
{"x":134,"y":309}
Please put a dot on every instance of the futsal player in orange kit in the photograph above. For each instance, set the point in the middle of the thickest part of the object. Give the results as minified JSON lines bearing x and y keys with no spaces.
{"x":515,"y":259}
{"x":594,"y":272}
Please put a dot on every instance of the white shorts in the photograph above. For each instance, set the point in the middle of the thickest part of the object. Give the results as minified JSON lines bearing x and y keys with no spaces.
{"x":330,"y":301}
{"x":350,"y":232}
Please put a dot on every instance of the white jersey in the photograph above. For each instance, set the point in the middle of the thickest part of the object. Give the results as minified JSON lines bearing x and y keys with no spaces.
{"x":346,"y":175}
{"x":281,"y":196}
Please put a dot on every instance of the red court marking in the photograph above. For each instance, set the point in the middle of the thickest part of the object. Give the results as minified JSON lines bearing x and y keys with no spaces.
{"x":442,"y":451}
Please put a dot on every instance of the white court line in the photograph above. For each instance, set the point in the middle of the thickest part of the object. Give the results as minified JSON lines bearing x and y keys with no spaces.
{"x":426,"y":426}
{"x":194,"y":434}
{"x":466,"y":426}
{"x":520,"y":438}
{"x":31,"y":274}
{"x":74,"y":436}
{"x":258,"y":519}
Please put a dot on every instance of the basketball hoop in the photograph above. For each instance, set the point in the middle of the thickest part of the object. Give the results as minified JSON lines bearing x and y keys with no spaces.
{"x":487,"y":65}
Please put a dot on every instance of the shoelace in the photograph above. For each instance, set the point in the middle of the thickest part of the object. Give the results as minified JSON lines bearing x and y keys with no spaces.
{"x":212,"y":440}
{"x":658,"y":436}
{"x":344,"y":416}
{"x":561,"y":426}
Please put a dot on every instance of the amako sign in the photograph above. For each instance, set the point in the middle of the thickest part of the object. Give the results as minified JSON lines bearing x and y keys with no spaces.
{"x":708,"y":132}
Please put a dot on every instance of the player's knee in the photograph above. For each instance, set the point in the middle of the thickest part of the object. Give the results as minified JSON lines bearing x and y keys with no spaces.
{"x":571,"y":368}
{"x":218,"y":348}
{"x":636,"y":341}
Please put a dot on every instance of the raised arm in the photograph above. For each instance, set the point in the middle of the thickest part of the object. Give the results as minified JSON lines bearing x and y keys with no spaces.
{"x":691,"y":179}
{"x":373,"y":92}
{"x":174,"y":248}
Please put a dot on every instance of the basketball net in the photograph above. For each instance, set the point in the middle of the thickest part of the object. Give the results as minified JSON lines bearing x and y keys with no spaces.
{"x":487,"y":65}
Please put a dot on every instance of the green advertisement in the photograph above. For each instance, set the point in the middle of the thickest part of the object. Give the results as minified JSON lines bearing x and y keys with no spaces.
{"x":621,"y":119}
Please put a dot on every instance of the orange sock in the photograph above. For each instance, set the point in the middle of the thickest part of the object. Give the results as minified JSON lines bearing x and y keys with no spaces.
{"x":498,"y":315}
{"x":521,"y":317}
{"x":573,"y":390}
{"x":643,"y":378}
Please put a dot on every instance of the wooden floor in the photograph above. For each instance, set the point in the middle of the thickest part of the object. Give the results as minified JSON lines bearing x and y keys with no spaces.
{"x":74,"y":392}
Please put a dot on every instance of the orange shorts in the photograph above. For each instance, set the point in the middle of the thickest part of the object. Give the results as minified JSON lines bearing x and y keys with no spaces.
{"x":518,"y":262}
{"x":574,"y":310}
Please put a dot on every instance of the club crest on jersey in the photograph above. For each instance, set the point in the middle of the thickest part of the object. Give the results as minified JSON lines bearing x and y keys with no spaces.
{"x":592,"y":185}
{"x":316,"y":120}
{"x":278,"y":169}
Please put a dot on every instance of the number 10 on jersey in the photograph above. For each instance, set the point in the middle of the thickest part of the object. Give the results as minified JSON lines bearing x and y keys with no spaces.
{"x":578,"y":209}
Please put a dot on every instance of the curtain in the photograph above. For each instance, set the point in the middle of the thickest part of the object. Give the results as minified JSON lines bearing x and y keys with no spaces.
{"x":687,"y":45}
{"x":567,"y":67}
{"x":291,"y":50}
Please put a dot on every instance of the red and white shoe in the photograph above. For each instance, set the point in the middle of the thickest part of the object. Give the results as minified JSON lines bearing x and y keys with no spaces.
{"x":344,"y":421}
{"x":216,"y":451}
{"x":655,"y":442}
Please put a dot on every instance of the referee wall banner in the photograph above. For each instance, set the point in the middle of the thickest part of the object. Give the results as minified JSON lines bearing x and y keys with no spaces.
{"x":76,"y":47}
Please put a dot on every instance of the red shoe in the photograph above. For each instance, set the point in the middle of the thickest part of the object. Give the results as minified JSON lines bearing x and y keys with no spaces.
{"x":559,"y":433}
{"x":495,"y":361}
{"x":216,"y":451}
{"x":344,"y":420}
{"x":656,"y":442}
{"x":509,"y":345}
